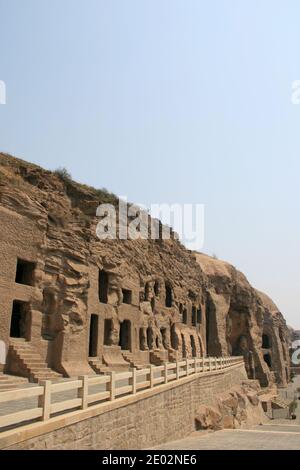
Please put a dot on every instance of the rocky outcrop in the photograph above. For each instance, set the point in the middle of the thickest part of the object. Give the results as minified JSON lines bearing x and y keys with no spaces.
{"x":242,"y":321}
{"x":238,"y":408}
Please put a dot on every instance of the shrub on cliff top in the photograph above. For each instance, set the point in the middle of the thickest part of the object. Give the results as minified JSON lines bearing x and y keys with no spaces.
{"x":63,"y":174}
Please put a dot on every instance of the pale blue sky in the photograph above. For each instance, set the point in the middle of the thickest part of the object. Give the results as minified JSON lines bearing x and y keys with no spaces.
{"x":169,"y":101}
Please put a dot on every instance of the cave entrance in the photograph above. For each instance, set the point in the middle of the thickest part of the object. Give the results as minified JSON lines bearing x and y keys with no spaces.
{"x":103,"y":286}
{"x":93,"y":339}
{"x":207,"y":326}
{"x":125,"y":335}
{"x":20,"y":324}
{"x":127,"y":296}
{"x":267,"y":359}
{"x":149,"y":338}
{"x":141,"y":338}
{"x":108,"y":327}
{"x":199,"y":315}
{"x":183,"y":346}
{"x":25,"y":272}
{"x":184,"y":317}
{"x":194,"y":316}
{"x":193,"y":346}
{"x":266,"y":343}
{"x":169,"y":296}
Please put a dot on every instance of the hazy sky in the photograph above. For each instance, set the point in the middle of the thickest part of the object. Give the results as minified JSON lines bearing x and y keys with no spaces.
{"x":185,"y":101}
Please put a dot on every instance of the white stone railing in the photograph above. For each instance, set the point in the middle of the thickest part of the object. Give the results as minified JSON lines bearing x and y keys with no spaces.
{"x":113,"y":384}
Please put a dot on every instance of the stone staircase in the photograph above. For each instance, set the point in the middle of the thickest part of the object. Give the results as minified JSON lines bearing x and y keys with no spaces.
{"x":30,"y":362}
{"x":98,"y":366}
{"x":279,"y":403}
{"x":11,"y":382}
{"x":129,"y":357}
{"x":173,"y":355}
{"x":156,"y":358}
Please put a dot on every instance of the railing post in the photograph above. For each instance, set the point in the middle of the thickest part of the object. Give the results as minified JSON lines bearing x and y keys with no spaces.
{"x":187,"y":366}
{"x":134,"y":380}
{"x":177,"y":370}
{"x":112,"y":385}
{"x":44,"y":400}
{"x":166,"y":372}
{"x":151,"y":376}
{"x":83,"y":392}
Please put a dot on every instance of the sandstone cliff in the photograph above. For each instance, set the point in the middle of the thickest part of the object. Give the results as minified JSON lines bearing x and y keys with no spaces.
{"x":48,"y":218}
{"x":237,"y":311}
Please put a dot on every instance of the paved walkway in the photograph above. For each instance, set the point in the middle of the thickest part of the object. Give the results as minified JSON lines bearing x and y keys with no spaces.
{"x":281,"y":434}
{"x":258,"y":438}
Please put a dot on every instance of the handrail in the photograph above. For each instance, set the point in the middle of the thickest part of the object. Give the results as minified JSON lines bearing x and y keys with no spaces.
{"x":138,"y":381}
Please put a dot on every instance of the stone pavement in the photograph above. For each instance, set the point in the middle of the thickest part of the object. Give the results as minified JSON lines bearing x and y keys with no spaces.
{"x":266,"y":437}
{"x":281,"y":434}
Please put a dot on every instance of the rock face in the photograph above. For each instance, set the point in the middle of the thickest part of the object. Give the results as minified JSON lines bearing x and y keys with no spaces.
{"x":243,"y":321}
{"x":86,"y":304}
{"x":239,"y":408}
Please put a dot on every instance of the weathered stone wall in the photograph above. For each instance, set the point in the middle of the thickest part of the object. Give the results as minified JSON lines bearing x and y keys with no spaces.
{"x":149,"y":421}
{"x":49,"y":220}
{"x":238,"y":317}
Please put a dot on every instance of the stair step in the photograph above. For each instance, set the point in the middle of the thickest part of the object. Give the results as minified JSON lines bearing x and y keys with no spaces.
{"x":29,"y":355}
{"x":98,"y":366}
{"x":25,"y":351}
{"x":35,"y":362}
{"x":11,"y":382}
{"x":12,"y":377}
{"x":32,"y":362}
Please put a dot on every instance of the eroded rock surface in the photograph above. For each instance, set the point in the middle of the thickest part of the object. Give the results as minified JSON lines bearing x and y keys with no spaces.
{"x":83,"y":303}
{"x":237,"y":408}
